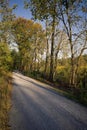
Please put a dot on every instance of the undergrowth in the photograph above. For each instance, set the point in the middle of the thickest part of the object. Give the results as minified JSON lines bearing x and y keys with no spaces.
{"x":5,"y":93}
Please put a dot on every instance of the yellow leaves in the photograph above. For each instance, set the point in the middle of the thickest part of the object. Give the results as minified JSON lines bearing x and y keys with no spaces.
{"x":18,"y":36}
{"x":59,"y":68}
{"x":83,"y":67}
{"x":1,"y":11}
{"x":25,"y":30}
{"x":37,"y":26}
{"x":23,"y":23}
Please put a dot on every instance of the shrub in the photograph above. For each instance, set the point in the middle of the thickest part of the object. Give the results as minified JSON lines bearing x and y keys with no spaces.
{"x":62,"y":75}
{"x":82,"y":83}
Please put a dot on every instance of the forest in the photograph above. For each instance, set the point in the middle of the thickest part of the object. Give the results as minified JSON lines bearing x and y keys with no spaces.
{"x":50,"y":47}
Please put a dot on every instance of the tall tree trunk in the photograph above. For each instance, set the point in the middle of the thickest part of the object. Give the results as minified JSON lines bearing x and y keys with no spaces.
{"x":56,"y":55}
{"x":35,"y":56}
{"x":52,"y":51}
{"x":72,"y":78}
{"x":72,"y":75}
{"x":69,"y":33}
{"x":47,"y":50}
{"x":55,"y":65}
{"x":46,"y":62}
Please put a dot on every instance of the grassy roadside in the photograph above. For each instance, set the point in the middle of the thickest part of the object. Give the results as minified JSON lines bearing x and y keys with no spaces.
{"x":71,"y":93}
{"x":5,"y":94}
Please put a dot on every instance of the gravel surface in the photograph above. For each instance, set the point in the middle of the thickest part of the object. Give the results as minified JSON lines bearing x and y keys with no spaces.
{"x":35,"y":106}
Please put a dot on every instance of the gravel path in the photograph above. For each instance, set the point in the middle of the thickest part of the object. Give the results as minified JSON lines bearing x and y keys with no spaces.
{"x":36,"y":107}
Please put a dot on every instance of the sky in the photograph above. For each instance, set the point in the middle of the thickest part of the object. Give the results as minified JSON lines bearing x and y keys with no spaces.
{"x":20,"y":11}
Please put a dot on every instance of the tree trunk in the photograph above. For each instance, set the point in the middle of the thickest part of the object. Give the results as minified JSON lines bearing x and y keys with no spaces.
{"x":52,"y":51}
{"x":35,"y":55}
{"x":72,"y":77}
{"x":46,"y":62}
{"x":56,"y":55}
{"x":69,"y":33}
{"x":55,"y":65}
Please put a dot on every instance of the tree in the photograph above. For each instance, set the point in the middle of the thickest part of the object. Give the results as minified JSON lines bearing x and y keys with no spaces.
{"x":48,"y":33}
{"x":6,"y":14}
{"x":5,"y":61}
{"x":38,"y":45}
{"x":70,"y":16}
{"x":5,"y":58}
{"x":44,"y":10}
{"x":21,"y":32}
{"x":29,"y":37}
{"x":61,"y":48}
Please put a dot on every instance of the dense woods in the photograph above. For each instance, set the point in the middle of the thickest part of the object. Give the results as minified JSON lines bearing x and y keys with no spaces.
{"x":54,"y":51}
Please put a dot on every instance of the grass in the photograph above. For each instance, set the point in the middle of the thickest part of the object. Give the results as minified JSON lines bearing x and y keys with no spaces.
{"x":5,"y":92}
{"x":71,"y":93}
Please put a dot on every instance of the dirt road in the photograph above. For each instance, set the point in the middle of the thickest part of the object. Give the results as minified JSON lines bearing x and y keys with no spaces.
{"x":35,"y":106}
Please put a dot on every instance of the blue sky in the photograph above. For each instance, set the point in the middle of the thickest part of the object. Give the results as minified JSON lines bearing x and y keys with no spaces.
{"x":20,"y":11}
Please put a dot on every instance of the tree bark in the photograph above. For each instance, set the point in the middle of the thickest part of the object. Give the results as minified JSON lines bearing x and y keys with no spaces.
{"x":52,"y":51}
{"x":46,"y":62}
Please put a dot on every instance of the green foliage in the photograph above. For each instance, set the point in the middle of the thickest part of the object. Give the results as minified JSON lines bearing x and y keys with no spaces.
{"x":82,"y":83}
{"x":82,"y":75}
{"x":5,"y":57}
{"x":62,"y":75}
{"x":6,"y":11}
{"x":5,"y":88}
{"x":29,"y":37}
{"x":6,"y":17}
{"x":16,"y":60}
